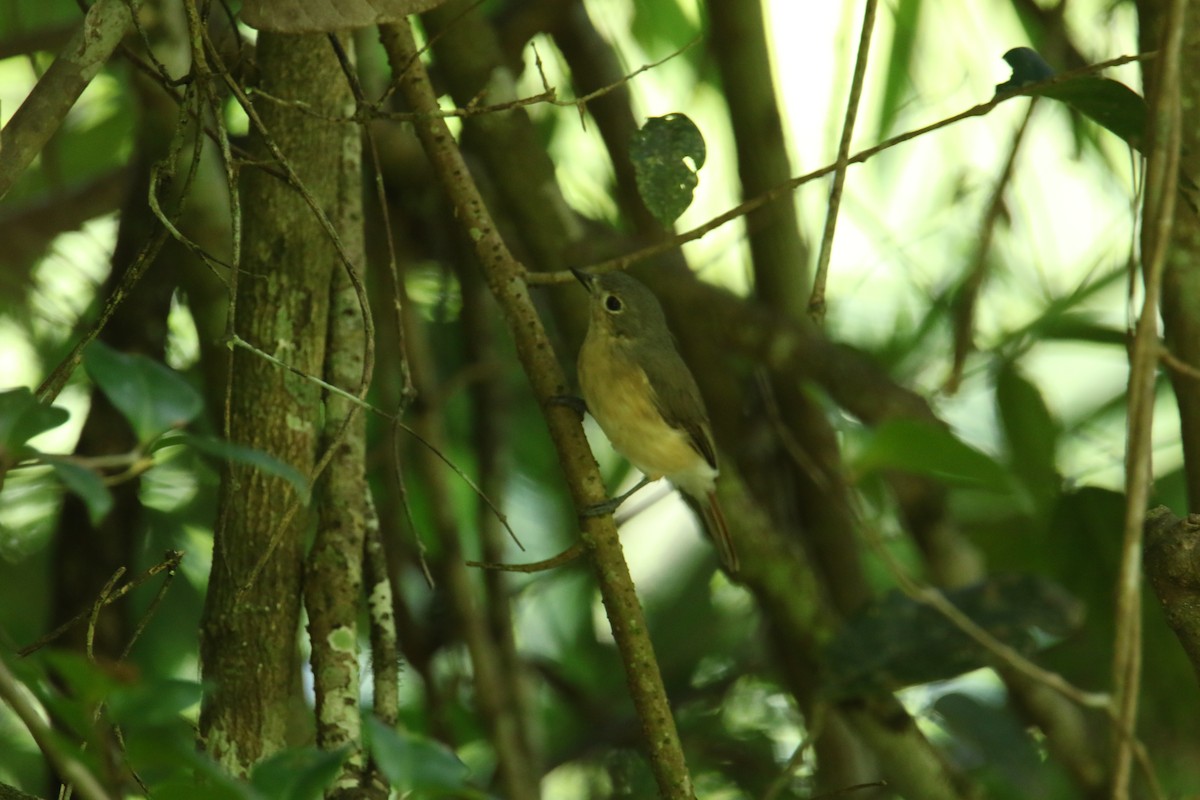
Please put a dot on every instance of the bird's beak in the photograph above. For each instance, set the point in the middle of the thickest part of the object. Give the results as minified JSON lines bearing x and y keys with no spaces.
{"x":588,"y":281}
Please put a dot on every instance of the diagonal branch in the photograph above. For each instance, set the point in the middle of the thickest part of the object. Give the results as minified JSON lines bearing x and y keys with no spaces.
{"x":1158,"y":216}
{"x":816,"y":303}
{"x":27,"y":133}
{"x":507,"y":279}
{"x":754,"y":203}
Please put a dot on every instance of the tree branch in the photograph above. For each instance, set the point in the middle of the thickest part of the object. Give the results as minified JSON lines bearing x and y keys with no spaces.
{"x":43,"y":111}
{"x":1163,"y":134}
{"x":1173,"y":567}
{"x":816,"y":303}
{"x":506,"y":278}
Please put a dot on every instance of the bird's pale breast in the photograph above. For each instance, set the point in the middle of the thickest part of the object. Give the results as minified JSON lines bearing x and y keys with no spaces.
{"x":621,"y":399}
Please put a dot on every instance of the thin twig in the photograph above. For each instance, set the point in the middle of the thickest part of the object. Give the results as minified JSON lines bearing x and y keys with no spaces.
{"x":151,"y":610}
{"x":238,"y":341}
{"x":1177,"y":364}
{"x":968,"y":295}
{"x":57,"y":379}
{"x":934,"y":598}
{"x":1158,"y":217}
{"x":1009,"y":657}
{"x":100,"y":602}
{"x":352,"y":273}
{"x":816,"y":301}
{"x":506,"y":278}
{"x":565,"y":557}
{"x":754,"y":203}
{"x":170,"y":563}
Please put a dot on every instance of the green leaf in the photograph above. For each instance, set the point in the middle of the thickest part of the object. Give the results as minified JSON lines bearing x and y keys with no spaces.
{"x":22,"y":417}
{"x":923,"y":448}
{"x":69,"y":686}
{"x":1006,"y":761}
{"x":414,"y":763}
{"x":663,"y":27}
{"x":240,"y":454}
{"x":897,"y":641}
{"x":153,"y":703}
{"x":153,"y":397}
{"x":898,"y":80}
{"x":187,"y":788}
{"x":1109,"y":103}
{"x":88,"y":486}
{"x":1081,"y":327}
{"x":300,"y":773}
{"x":1031,"y":431}
{"x":660,"y":152}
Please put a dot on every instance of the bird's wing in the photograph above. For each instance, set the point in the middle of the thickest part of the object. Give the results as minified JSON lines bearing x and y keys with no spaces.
{"x":679,"y":400}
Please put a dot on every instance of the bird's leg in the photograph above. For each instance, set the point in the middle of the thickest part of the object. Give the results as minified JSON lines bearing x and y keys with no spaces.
{"x":609,"y":506}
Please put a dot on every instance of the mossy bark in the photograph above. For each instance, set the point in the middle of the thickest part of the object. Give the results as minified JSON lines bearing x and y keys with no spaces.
{"x":249,"y":628}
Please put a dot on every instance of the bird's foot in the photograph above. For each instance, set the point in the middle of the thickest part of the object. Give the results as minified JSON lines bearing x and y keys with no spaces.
{"x":609,"y":506}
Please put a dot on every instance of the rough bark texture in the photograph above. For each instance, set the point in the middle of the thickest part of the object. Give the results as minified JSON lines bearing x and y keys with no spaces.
{"x":506,"y":279}
{"x":249,"y":637}
{"x":777,"y":251}
{"x":334,"y":575}
{"x":1173,"y":566}
{"x":1181,"y":273}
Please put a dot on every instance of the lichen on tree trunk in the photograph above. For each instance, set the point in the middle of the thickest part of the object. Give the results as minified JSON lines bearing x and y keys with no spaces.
{"x":249,"y":636}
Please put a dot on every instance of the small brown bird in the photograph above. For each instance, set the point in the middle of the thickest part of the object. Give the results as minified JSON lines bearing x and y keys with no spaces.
{"x":645,"y":399}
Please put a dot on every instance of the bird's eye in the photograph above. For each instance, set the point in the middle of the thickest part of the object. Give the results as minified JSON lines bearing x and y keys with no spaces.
{"x":613,"y":303}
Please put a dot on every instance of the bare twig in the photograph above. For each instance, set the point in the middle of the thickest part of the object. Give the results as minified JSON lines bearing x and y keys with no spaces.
{"x":1012,"y":659}
{"x":169,"y":563}
{"x":1158,"y":217}
{"x":740,"y":210}
{"x":97,"y":606}
{"x":238,"y":341}
{"x":968,"y":295}
{"x":565,"y":557}
{"x":816,"y":302}
{"x":1177,"y":364}
{"x":57,"y":379}
{"x":934,"y":598}
{"x":548,"y":96}
{"x":506,"y":278}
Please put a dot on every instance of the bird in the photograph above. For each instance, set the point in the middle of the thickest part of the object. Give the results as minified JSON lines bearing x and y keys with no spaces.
{"x":640,"y":391}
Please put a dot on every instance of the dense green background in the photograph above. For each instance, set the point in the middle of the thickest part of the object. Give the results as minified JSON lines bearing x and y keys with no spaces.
{"x":1026,"y":480}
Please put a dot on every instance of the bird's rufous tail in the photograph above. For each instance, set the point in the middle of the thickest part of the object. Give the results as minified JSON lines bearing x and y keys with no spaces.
{"x":719,"y":531}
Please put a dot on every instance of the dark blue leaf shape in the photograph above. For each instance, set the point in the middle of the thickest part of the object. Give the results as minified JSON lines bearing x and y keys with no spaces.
{"x":896,"y":641}
{"x":1028,"y":67}
{"x":661,"y":152}
{"x":1109,"y":103}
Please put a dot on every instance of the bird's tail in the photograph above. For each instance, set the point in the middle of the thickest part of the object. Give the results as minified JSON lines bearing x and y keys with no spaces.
{"x":714,"y":520}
